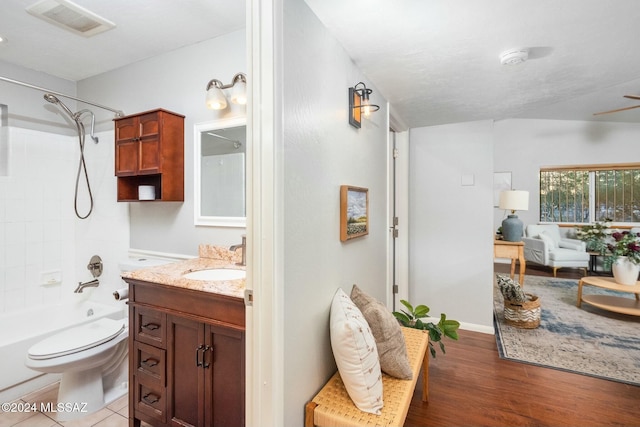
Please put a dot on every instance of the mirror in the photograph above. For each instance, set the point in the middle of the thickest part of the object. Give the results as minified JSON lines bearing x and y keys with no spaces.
{"x":219,"y":171}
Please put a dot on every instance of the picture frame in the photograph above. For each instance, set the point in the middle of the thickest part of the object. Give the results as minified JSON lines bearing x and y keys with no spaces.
{"x":501,"y":182}
{"x":354,"y":212}
{"x":355,"y":112}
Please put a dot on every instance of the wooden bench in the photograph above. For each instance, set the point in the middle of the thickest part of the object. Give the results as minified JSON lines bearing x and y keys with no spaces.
{"x":333,"y":407}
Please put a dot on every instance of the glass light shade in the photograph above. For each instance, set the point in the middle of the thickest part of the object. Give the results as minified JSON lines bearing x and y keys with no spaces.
{"x":239,"y":93}
{"x":216,"y":99}
{"x":366,"y":107}
{"x":514,"y":200}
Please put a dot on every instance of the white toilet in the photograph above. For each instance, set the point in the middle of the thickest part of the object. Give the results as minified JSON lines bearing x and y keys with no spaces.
{"x":93,"y":361}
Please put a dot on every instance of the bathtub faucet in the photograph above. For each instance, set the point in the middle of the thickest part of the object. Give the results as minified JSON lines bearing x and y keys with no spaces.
{"x":92,"y":284}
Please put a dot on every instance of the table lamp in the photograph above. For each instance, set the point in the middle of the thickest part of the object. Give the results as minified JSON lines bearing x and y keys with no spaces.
{"x":513,"y":200}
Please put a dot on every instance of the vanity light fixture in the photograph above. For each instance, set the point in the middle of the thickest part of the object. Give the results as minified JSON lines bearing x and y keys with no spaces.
{"x":359,"y":104}
{"x":216,"y":100}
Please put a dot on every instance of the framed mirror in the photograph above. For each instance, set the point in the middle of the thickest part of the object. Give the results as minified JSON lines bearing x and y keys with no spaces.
{"x":220,"y":173}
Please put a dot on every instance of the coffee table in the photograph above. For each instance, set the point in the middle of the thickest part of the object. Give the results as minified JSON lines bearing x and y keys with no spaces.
{"x":610,"y":302}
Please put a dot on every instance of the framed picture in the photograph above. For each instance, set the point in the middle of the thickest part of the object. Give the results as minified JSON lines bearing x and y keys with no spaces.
{"x":354,"y":212}
{"x":501,"y":182}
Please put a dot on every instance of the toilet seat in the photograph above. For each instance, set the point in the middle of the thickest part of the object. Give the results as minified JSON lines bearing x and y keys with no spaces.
{"x":77,"y":339}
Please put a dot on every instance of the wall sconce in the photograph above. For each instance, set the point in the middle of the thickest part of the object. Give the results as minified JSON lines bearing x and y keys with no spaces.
{"x":216,"y":100}
{"x":359,"y":104}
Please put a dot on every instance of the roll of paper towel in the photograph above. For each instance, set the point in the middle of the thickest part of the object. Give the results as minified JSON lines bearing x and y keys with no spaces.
{"x":146,"y":192}
{"x":121,"y":294}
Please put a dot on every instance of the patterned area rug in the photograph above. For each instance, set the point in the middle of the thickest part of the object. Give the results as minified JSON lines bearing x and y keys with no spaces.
{"x":585,"y":340}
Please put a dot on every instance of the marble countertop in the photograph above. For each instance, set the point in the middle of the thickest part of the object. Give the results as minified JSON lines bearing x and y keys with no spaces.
{"x":209,"y":257}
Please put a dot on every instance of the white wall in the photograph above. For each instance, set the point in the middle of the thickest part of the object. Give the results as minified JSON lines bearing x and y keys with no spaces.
{"x":450,"y":244}
{"x":39,"y":232}
{"x":175,"y":81}
{"x":523,"y":146}
{"x":322,"y":151}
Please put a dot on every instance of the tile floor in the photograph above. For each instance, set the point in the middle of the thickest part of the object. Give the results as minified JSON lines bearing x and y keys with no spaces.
{"x":114,"y":415}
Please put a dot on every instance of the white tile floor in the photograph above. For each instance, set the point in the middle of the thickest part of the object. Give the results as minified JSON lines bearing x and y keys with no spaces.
{"x":114,"y":415}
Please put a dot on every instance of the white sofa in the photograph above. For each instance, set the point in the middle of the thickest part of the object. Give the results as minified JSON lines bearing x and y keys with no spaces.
{"x":544,"y":245}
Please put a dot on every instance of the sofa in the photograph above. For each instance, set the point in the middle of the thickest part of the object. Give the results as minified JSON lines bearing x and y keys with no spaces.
{"x":544,"y":245}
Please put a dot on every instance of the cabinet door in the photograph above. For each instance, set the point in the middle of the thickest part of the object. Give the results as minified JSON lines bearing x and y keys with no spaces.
{"x":185,"y":380}
{"x":224,"y":377}
{"x":150,"y":150}
{"x":127,"y":131}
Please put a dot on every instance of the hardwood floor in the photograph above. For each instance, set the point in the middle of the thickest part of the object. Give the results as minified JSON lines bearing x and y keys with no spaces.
{"x":472,"y":386}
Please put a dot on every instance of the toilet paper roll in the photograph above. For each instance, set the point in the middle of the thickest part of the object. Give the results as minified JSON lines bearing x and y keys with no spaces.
{"x":146,"y":192}
{"x":121,"y":294}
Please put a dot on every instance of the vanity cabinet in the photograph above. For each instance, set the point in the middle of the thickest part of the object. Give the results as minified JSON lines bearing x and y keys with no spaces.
{"x":149,"y":150}
{"x":187,"y":366}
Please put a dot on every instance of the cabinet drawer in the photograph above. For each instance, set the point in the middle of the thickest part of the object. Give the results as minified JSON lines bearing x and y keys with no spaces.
{"x":150,"y":327}
{"x":150,"y":363}
{"x":150,"y":399}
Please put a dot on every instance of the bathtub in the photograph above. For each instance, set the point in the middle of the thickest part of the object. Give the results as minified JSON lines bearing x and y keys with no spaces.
{"x":20,"y":330}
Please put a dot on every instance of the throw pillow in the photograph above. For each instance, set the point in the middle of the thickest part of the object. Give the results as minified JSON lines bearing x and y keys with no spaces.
{"x":510,"y":289}
{"x":354,"y":349}
{"x":392,"y":349}
{"x":551,"y":243}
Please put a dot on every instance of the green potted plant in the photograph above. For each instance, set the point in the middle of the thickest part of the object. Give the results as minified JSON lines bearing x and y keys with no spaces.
{"x":412,"y":319}
{"x":594,"y":235}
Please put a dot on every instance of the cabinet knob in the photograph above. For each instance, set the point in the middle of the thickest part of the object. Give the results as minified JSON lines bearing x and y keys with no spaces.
{"x":150,"y":362}
{"x":150,"y":398}
{"x":151,"y":326}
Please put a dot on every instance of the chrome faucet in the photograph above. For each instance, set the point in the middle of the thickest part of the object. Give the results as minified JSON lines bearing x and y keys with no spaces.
{"x":242,"y":246}
{"x":92,"y":284}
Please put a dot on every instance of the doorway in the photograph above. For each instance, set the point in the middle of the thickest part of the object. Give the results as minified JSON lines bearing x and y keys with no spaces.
{"x":398,"y":218}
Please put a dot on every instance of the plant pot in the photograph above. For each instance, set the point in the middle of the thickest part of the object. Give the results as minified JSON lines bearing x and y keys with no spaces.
{"x":624,"y":271}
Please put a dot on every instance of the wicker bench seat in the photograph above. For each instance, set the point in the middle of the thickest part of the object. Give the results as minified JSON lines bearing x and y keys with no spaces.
{"x":332,"y":406}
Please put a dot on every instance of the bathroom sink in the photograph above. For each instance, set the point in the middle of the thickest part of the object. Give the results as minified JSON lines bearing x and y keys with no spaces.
{"x":216,"y":274}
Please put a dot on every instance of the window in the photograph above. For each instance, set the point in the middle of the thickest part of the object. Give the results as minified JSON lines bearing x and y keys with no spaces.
{"x":583,"y":194}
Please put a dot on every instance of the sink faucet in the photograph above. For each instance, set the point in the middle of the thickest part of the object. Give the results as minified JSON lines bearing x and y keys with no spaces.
{"x":92,"y":284}
{"x":242,"y":246}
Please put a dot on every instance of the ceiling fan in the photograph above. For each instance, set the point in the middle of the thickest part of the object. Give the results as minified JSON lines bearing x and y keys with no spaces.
{"x":621,"y":109}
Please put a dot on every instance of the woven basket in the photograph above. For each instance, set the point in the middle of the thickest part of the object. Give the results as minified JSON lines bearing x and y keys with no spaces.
{"x":523,"y":314}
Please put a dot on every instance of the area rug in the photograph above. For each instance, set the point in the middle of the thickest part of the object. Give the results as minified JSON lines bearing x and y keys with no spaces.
{"x":584,"y":340}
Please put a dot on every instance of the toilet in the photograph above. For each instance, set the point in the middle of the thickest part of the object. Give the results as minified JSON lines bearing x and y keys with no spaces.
{"x":92,"y":358}
{"x":93,"y":361}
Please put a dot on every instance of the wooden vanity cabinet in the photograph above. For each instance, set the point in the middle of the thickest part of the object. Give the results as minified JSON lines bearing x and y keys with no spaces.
{"x":187,"y":366}
{"x":149,"y":150}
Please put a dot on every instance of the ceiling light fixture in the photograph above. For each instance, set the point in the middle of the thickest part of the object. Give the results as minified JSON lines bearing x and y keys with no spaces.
{"x":514,"y":56}
{"x":216,"y":99}
{"x":359,"y":104}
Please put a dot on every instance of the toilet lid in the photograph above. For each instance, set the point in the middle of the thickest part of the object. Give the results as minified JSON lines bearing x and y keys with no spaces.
{"x":77,"y":339}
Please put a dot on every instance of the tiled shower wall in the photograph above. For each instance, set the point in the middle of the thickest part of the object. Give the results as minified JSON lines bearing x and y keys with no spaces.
{"x":40,"y":236}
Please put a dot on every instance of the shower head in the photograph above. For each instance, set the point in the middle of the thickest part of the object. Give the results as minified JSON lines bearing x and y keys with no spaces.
{"x":54,"y":100}
{"x":51,"y":98}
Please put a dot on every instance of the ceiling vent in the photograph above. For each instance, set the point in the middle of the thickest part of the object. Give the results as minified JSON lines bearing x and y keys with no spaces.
{"x":71,"y":17}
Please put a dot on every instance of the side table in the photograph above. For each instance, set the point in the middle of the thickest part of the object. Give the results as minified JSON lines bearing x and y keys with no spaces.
{"x":513,"y":250}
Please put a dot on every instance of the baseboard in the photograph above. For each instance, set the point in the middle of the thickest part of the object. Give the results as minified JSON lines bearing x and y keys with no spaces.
{"x":477,"y":328}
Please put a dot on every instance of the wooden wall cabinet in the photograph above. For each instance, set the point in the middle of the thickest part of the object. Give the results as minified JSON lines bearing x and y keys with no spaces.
{"x":150,"y":151}
{"x":187,"y":366}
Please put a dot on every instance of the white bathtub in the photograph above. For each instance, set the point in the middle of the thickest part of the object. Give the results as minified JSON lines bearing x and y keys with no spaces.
{"x":20,"y":330}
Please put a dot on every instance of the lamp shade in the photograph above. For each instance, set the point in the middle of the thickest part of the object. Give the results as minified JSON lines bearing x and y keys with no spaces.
{"x":239,"y":93}
{"x":514,"y":200}
{"x":216,"y":99}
